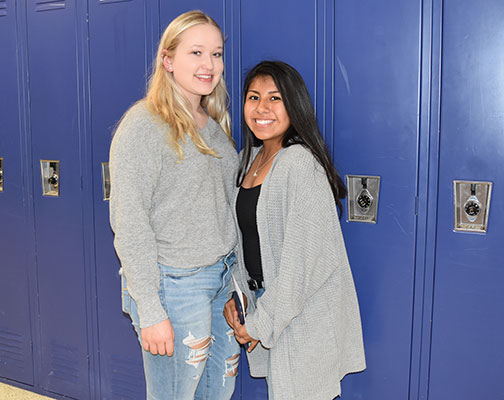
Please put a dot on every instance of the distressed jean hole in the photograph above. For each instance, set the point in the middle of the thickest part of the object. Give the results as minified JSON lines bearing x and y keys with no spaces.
{"x":198,"y":349}
{"x":232,"y":365}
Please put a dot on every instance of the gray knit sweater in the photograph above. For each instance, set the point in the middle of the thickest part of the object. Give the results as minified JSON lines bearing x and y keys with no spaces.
{"x":308,"y":318}
{"x":177,"y":214}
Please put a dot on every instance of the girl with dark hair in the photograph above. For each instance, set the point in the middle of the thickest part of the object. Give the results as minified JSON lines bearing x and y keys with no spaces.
{"x":292,"y":263}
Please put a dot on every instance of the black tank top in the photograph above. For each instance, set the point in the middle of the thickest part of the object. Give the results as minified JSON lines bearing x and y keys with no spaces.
{"x":246,"y":208}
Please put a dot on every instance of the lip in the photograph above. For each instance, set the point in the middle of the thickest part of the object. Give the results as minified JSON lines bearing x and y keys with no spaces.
{"x":263,"y":122}
{"x":204,"y":77}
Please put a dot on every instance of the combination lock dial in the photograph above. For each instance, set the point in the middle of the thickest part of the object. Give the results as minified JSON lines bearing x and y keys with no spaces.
{"x":472,"y":208}
{"x":364,"y":200}
{"x":53,"y":180}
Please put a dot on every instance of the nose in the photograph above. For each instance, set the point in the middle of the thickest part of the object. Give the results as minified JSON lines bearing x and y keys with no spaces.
{"x":262,"y":105}
{"x":208,"y":62}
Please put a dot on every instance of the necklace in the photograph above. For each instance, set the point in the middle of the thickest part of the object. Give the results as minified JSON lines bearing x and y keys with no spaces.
{"x":259,"y":166}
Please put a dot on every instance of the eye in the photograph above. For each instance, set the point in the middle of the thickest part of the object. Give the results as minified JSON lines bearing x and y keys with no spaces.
{"x":276,"y":98}
{"x":253,"y":97}
{"x":217,"y":54}
{"x":196,"y":52}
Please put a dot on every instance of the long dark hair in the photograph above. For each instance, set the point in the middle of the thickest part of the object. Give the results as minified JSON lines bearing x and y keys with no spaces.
{"x":303,"y":128}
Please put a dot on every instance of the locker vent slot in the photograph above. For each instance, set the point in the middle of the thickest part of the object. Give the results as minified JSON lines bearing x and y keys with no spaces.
{"x":112,"y":1}
{"x":126,"y":377}
{"x":49,"y":5}
{"x":11,"y":348}
{"x":3,"y":8}
{"x":64,"y":363}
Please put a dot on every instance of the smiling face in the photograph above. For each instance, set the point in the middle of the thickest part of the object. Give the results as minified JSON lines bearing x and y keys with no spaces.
{"x":197,"y":64}
{"x":264,"y":111}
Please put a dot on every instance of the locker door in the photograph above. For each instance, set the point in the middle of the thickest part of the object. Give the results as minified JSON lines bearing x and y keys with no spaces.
{"x":467,"y":352}
{"x":16,"y":251}
{"x":284,"y":33}
{"x":361,"y":66}
{"x":56,"y":115}
{"x":376,"y":78}
{"x":169,"y":11}
{"x":119,"y":56}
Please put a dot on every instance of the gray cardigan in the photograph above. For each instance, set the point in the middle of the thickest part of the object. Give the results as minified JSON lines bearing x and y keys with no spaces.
{"x":308,"y":318}
{"x":175,"y":213}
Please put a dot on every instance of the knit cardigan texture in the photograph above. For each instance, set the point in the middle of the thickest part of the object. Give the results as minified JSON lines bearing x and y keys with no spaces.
{"x":308,"y":319}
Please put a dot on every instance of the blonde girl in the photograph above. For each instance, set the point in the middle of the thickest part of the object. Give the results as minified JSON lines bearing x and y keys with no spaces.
{"x":172,"y":162}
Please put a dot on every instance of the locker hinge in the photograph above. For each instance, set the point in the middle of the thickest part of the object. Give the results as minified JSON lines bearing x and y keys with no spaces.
{"x":417,"y":200}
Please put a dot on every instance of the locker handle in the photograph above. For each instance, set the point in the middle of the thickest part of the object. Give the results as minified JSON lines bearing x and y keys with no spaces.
{"x":1,"y":174}
{"x":53,"y":179}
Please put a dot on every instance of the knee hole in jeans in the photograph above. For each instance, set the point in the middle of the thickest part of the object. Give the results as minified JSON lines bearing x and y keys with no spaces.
{"x":198,"y":349}
{"x":232,"y":365}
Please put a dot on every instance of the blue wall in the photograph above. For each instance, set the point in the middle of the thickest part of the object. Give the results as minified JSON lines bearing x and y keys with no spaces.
{"x":409,"y":91}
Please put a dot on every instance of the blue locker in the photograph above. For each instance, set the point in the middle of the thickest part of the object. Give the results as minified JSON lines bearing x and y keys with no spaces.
{"x":282,"y":33}
{"x":120,"y":53}
{"x":376,"y":69}
{"x":287,"y":34}
{"x":16,"y":241}
{"x":466,"y":351}
{"x":409,"y":91}
{"x":57,"y":110}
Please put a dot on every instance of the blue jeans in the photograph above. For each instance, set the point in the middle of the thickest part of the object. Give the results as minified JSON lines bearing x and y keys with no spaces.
{"x":206,"y":355}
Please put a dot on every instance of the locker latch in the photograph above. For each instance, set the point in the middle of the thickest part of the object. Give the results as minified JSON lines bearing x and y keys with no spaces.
{"x":362,"y":200}
{"x":471,"y":205}
{"x":106,"y":181}
{"x":1,"y":175}
{"x":50,"y":173}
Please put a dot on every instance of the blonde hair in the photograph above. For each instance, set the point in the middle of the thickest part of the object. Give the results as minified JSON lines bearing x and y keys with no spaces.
{"x":165,"y":99}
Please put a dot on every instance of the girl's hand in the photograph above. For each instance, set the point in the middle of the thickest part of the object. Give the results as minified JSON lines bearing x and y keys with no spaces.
{"x":243,"y":337}
{"x":158,"y":338}
{"x":231,"y":314}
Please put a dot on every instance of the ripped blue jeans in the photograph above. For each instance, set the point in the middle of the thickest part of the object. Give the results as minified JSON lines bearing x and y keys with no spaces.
{"x":206,"y":355}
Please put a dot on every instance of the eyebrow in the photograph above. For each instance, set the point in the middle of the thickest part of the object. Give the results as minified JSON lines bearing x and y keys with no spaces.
{"x":271,"y":91}
{"x":200,"y":45}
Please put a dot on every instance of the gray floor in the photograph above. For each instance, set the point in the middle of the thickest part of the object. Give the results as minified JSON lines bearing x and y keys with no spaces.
{"x":13,"y":393}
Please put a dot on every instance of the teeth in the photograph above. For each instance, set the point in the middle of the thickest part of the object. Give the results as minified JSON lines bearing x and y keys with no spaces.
{"x":263,"y":121}
{"x":204,"y":76}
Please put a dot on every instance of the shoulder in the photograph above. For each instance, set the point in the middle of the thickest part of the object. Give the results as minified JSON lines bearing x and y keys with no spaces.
{"x":298,"y":162}
{"x":297,"y":152}
{"x":140,"y":126}
{"x":300,"y":175}
{"x":139,"y":113}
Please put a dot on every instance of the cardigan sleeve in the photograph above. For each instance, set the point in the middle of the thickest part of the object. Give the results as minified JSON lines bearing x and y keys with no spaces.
{"x":311,"y":250}
{"x":135,"y":162}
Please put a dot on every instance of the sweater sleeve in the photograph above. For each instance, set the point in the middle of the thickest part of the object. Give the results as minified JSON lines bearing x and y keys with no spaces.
{"x":135,"y":163}
{"x":311,"y":250}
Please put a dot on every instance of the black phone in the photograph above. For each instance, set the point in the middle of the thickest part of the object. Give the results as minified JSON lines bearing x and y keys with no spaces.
{"x":241,"y":313}
{"x":239,"y":308}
